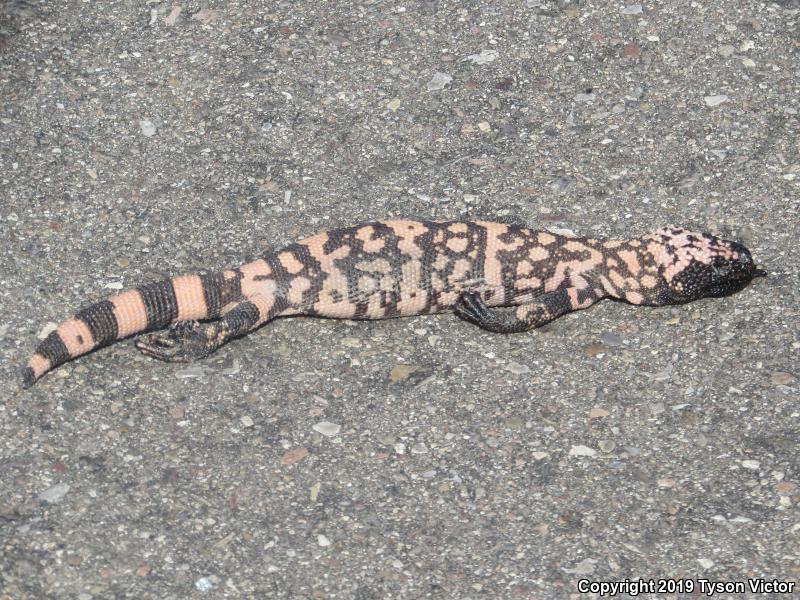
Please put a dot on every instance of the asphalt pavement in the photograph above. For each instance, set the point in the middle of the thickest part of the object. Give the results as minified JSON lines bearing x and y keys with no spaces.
{"x":410,"y":458}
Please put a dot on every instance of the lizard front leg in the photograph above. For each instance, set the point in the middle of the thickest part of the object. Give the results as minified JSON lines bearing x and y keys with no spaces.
{"x":513,"y":319}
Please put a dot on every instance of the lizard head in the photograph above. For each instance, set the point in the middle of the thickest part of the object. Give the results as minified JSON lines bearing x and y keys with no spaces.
{"x":699,"y":265}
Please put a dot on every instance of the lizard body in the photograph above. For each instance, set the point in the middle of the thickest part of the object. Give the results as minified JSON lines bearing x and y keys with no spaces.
{"x":503,"y":277}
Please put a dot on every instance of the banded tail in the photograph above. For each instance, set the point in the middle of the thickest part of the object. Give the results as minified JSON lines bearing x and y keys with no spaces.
{"x":151,"y":306}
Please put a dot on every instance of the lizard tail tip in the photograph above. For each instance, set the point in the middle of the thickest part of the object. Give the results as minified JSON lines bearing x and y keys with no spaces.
{"x":28,"y":377}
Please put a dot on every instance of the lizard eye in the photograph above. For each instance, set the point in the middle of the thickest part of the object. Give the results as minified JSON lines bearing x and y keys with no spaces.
{"x":722,"y":271}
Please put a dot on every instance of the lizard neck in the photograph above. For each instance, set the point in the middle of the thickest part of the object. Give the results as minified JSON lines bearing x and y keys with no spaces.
{"x":628,"y":271}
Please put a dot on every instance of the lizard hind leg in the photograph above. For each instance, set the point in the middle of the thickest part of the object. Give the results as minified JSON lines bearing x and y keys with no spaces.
{"x":185,"y":341}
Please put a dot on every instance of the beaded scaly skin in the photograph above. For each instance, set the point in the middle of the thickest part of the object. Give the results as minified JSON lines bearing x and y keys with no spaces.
{"x":502,"y":277}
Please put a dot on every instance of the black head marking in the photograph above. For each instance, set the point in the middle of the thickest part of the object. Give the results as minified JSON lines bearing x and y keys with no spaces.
{"x":699,"y":265}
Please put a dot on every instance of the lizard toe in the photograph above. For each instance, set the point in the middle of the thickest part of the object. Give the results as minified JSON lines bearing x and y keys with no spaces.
{"x":184,"y":342}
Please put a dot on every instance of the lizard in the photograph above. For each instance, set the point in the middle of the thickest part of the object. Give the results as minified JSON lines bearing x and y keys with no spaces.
{"x":503,"y":277}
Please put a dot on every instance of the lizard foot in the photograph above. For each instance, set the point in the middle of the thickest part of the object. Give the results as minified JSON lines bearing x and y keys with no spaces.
{"x":472,"y":308}
{"x":183,"y":342}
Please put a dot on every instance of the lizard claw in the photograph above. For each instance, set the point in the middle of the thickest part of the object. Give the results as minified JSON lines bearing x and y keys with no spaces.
{"x":471,"y":307}
{"x":183,"y":342}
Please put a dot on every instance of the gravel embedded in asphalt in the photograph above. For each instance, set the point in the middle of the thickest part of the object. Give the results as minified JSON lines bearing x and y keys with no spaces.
{"x":411,"y":458}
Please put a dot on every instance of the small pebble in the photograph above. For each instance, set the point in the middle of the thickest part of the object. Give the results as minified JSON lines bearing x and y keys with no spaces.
{"x":438,"y":82}
{"x":327,"y":428}
{"x":419,"y":448}
{"x":247,"y":421}
{"x":55,"y":493}
{"x":585,"y":567}
{"x":706,"y":563}
{"x":513,"y":422}
{"x":716,"y":100}
{"x":486,"y":56}
{"x":753,"y":465}
{"x":517,"y":368}
{"x":606,"y":445}
{"x":147,"y":128}
{"x":781,"y":378}
{"x":172,"y":17}
{"x":610,"y":339}
{"x":631,"y":50}
{"x":582,"y":451}
{"x":313,"y":493}
{"x":293,"y":456}
{"x":323,"y":540}
{"x":726,"y":50}
{"x":562,"y":184}
{"x":205,"y":15}
{"x":594,"y":350}
{"x":204,"y":584}
{"x":48,"y":328}
{"x":598,"y":413}
{"x":632,"y":9}
{"x":402,"y":372}
{"x":196,"y":370}
{"x":304,"y":376}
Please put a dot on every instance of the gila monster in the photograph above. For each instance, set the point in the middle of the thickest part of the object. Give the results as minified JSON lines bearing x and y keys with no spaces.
{"x":500,"y":276}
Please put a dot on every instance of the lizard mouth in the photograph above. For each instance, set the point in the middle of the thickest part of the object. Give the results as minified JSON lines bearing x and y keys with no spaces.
{"x":720,"y":278}
{"x":734,"y":281}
